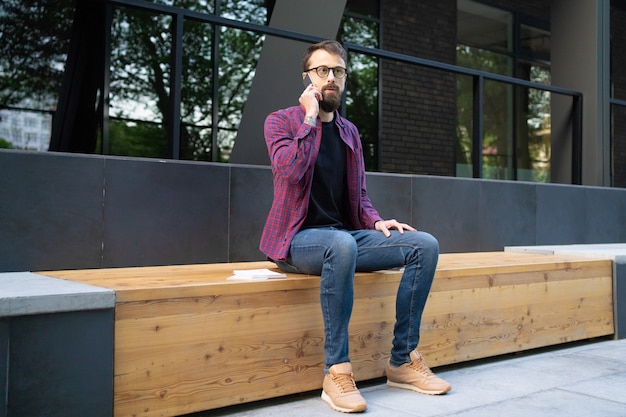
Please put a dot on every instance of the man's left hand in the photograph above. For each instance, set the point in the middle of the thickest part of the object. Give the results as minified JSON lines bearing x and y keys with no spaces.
{"x":385,"y":225}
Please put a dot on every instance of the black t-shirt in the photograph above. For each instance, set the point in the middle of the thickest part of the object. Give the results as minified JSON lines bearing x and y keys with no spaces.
{"x":328,"y":204}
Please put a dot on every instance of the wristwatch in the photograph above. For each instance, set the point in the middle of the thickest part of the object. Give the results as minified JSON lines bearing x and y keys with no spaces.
{"x":310,"y":121}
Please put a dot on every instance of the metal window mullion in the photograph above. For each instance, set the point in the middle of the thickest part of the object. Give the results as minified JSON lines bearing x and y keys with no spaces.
{"x":176,"y":84}
{"x":577,"y":139}
{"x":515,"y":126}
{"x":106,"y":81}
{"x":477,"y":126}
{"x":215,"y":78}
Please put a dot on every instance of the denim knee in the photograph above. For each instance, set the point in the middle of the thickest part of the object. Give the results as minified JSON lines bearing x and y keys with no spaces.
{"x":342,"y":245}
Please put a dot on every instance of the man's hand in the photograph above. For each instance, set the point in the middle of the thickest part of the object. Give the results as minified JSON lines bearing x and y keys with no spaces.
{"x":385,"y":225}
{"x":310,"y":101}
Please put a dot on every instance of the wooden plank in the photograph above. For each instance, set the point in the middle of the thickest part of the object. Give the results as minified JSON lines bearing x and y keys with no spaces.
{"x":514,"y":318}
{"x":193,"y":280}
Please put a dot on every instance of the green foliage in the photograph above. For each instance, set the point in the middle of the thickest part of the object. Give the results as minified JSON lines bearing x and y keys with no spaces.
{"x":5,"y":144}
{"x":133,"y":139}
{"x":362,"y":86}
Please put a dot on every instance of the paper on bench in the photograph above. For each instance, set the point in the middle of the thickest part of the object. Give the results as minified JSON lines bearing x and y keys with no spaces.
{"x":255,"y":274}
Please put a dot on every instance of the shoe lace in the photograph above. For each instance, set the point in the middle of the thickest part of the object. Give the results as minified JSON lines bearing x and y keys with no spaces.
{"x":421,"y":367}
{"x":345,"y":382}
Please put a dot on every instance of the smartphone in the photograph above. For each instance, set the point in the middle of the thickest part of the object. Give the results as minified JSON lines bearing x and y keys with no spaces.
{"x":307,"y":80}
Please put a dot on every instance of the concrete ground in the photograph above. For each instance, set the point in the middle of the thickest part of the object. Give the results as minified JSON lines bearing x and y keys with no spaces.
{"x":582,"y":379}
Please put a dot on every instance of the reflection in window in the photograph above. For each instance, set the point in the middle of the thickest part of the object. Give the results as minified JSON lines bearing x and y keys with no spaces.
{"x":484,"y":26}
{"x":535,"y":42}
{"x":361,"y":26}
{"x":497,"y":96}
{"x":33,"y":52}
{"x":516,"y":120}
{"x":239,"y":54}
{"x":140,"y":82}
{"x":250,"y":11}
{"x":203,"y":6}
{"x":214,"y":86}
{"x":196,"y":91}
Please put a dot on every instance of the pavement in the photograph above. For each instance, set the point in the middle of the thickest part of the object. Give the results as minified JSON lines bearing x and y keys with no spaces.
{"x":577,"y":379}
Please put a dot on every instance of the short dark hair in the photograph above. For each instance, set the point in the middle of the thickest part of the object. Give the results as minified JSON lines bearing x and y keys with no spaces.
{"x":330,"y":46}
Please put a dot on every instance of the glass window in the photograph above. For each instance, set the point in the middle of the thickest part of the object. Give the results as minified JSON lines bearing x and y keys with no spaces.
{"x":484,"y":26}
{"x":534,"y":43}
{"x":369,"y":8}
{"x":197,"y":91}
{"x":205,"y":6}
{"x":140,"y":83}
{"x":496,"y":114}
{"x":360,"y":26}
{"x":516,"y":120}
{"x":250,"y":11}
{"x":35,"y":41}
{"x":240,"y":52}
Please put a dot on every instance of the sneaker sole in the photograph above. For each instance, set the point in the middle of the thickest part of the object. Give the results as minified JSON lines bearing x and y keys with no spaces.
{"x":416,"y":389}
{"x":329,"y":401}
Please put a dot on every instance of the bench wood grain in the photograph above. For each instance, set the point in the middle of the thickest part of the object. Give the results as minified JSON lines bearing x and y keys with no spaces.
{"x":187,"y":340}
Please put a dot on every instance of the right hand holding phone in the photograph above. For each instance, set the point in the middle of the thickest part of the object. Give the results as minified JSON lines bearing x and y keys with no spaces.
{"x":310,"y":97}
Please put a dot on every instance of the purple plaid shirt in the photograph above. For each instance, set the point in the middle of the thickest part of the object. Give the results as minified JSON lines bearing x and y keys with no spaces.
{"x":293,"y":146}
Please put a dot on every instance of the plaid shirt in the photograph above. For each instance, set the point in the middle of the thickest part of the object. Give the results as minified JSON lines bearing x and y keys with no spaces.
{"x":293,"y":146}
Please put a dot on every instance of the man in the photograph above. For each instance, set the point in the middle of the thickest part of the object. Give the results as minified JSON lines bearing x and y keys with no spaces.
{"x":322,"y":222}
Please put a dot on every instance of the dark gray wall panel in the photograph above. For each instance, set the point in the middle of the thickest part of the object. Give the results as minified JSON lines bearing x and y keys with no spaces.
{"x":448,"y":209}
{"x":560,"y":215}
{"x":251,"y":199}
{"x":160,"y":213}
{"x":603,"y":204}
{"x":61,"y":365}
{"x":506,"y":214}
{"x":50,"y":211}
{"x":53,"y":214}
{"x":391,"y":196}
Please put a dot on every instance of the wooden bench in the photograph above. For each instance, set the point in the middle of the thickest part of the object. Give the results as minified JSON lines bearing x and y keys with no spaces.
{"x":187,"y":339}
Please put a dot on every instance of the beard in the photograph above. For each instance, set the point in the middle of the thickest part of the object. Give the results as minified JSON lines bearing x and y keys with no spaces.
{"x":331,"y":99}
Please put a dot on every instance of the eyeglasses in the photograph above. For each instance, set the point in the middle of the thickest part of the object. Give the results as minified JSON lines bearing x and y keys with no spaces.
{"x":322,"y":71}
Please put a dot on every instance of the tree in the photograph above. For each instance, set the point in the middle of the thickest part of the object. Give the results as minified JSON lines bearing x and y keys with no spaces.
{"x":46,"y":45}
{"x":362,"y":90}
{"x":34,"y":39}
{"x":141,"y":63}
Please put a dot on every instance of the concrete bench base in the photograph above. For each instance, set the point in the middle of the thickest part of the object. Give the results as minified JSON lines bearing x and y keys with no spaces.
{"x":56,"y":347}
{"x":187,"y":339}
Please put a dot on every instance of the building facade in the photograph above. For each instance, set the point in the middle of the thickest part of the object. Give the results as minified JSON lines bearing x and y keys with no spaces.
{"x":26,"y":130}
{"x":491,"y":89}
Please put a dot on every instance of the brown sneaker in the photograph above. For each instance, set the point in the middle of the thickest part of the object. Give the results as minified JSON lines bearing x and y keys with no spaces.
{"x":340,"y":391}
{"x":416,"y":376}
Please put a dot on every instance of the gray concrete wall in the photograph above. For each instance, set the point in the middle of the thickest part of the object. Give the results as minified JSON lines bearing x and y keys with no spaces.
{"x":56,"y":347}
{"x":65,"y":211}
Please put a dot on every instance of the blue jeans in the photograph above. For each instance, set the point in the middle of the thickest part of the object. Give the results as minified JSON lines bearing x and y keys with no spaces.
{"x":336,"y":254}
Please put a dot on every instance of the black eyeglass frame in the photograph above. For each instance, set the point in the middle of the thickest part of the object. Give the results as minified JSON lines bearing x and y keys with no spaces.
{"x":317,"y":71}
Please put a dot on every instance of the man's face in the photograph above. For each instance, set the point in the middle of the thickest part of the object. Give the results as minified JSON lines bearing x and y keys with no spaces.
{"x":332,"y":88}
